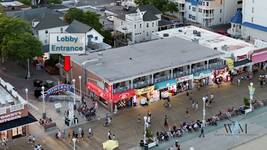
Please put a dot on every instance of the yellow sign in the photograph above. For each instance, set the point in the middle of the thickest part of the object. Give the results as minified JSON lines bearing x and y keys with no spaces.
{"x":230,"y":63}
{"x":144,"y":90}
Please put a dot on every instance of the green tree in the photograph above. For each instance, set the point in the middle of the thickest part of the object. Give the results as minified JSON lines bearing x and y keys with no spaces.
{"x":163,"y":5}
{"x":26,"y":2}
{"x":54,"y":1}
{"x":16,"y":39}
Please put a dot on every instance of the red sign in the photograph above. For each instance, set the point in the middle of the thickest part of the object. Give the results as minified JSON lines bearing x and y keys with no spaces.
{"x":98,"y":91}
{"x":124,"y":95}
{"x":242,"y":57}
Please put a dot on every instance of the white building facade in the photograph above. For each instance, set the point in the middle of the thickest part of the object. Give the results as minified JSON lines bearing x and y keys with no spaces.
{"x":208,"y":12}
{"x":140,"y":24}
{"x":254,"y":25}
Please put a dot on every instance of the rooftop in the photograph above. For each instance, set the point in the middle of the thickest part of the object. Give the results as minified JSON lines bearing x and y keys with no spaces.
{"x":78,"y":27}
{"x":208,"y":39}
{"x":8,"y":95}
{"x":145,"y":58}
{"x":47,"y":18}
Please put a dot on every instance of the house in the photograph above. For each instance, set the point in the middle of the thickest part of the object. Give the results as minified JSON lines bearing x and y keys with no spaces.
{"x":43,"y":21}
{"x":236,"y":23}
{"x":208,"y":12}
{"x":138,"y":22}
{"x":94,"y":40}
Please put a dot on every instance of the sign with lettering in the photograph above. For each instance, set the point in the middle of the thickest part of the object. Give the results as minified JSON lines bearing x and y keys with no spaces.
{"x":185,"y":78}
{"x":57,"y":88}
{"x":144,"y":90}
{"x":9,"y":117}
{"x":66,"y":43}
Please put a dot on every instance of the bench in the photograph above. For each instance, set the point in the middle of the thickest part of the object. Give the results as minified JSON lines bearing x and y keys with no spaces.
{"x":49,"y":126}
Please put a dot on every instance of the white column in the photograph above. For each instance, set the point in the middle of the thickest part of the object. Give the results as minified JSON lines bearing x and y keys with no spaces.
{"x":80,"y":83}
{"x":28,"y":72}
{"x":204,"y":111}
{"x":44,"y":112}
{"x":27,"y":98}
{"x":74,"y":143}
{"x":74,"y":101}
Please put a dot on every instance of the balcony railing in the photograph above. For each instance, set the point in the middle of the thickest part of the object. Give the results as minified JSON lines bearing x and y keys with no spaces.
{"x":121,"y":89}
{"x":208,"y":15}
{"x":141,"y":84}
{"x":180,"y":74}
{"x":160,"y":79}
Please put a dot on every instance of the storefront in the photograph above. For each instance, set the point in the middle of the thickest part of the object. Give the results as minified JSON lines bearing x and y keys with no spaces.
{"x":184,"y":83}
{"x":147,"y":95}
{"x":123,"y":99}
{"x":202,"y":78}
{"x":259,"y":58}
{"x":164,"y":87}
{"x":221,"y":75}
{"x":97,"y":93}
{"x":16,"y":124}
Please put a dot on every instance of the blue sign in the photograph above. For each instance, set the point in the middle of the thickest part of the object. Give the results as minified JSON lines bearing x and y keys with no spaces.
{"x":165,"y":84}
{"x":202,"y":74}
{"x":60,"y":87}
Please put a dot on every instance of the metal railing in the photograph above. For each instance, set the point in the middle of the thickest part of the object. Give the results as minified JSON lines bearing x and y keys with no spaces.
{"x":141,"y":84}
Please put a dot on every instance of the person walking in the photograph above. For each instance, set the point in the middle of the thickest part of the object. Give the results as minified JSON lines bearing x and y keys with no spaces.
{"x":211,"y":98}
{"x":139,"y":118}
{"x":196,"y":106}
{"x":202,"y":133}
{"x":187,"y":113}
{"x":90,"y":133}
{"x":109,"y":135}
{"x":193,"y":104}
{"x":82,"y":134}
{"x":238,"y":82}
{"x":166,"y":125}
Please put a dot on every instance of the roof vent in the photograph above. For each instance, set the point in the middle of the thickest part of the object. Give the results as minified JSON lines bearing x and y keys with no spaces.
{"x":100,"y":56}
{"x":165,"y":35}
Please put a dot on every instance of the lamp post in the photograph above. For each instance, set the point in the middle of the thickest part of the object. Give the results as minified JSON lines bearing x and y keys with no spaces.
{"x":74,"y":143}
{"x":27,"y":98}
{"x":204,"y":111}
{"x":80,"y":82}
{"x":28,"y":70}
{"x":74,"y":101}
{"x":251,"y":93}
{"x":44,"y":113}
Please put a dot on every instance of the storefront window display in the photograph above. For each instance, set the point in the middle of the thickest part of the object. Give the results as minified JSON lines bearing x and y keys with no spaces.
{"x":147,"y":95}
{"x":221,"y":75}
{"x":202,"y":78}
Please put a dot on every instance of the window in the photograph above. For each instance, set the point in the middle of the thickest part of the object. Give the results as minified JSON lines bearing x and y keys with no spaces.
{"x":193,"y":8}
{"x":189,"y":7}
{"x":135,"y":26}
{"x":121,"y":22}
{"x":96,"y":38}
{"x":252,"y":19}
{"x":200,"y":10}
{"x":220,"y":19}
{"x":252,"y":10}
{"x":193,"y":17}
{"x":45,"y":41}
{"x":140,"y":25}
{"x":61,"y":30}
{"x":147,"y":34}
{"x":220,"y":10}
{"x":221,"y":1}
{"x":207,"y":3}
{"x":189,"y":16}
{"x":233,"y":25}
{"x":147,"y":25}
{"x":152,"y":24}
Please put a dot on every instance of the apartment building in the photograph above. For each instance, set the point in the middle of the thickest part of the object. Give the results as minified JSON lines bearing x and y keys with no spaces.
{"x":254,"y":25}
{"x":139,"y":22}
{"x":208,"y":12}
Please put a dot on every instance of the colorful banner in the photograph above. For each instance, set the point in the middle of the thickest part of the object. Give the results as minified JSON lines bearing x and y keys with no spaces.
{"x":57,"y":88}
{"x":144,"y":90}
{"x":230,"y":63}
{"x":259,"y":57}
{"x":99,"y":92}
{"x":165,"y":84}
{"x":123,"y":95}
